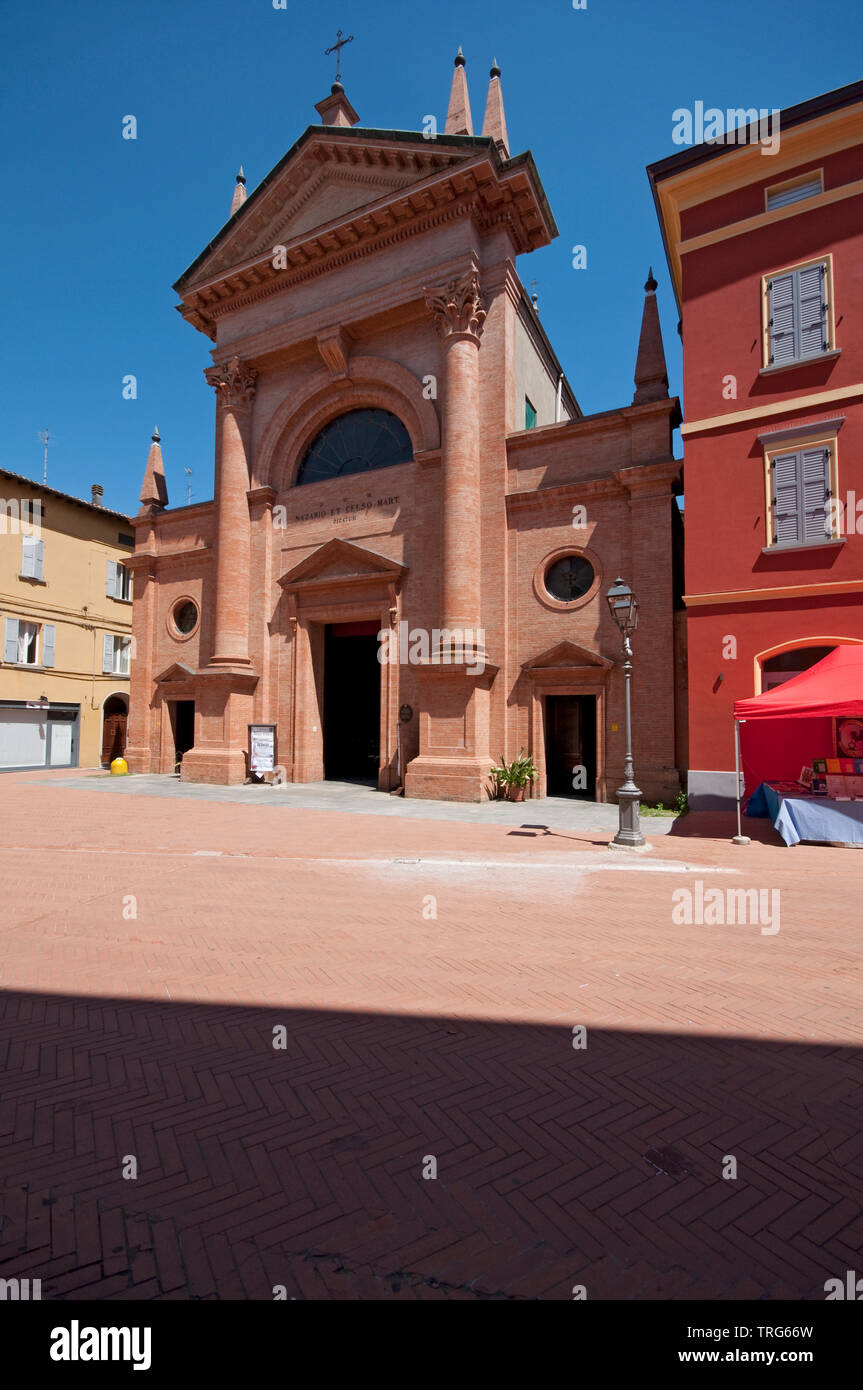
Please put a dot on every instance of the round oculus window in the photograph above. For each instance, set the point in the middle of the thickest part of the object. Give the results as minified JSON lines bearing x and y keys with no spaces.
{"x":185,"y":616}
{"x":570,"y":578}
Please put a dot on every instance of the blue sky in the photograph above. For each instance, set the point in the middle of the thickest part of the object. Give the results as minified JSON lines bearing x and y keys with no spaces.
{"x":97,"y":228}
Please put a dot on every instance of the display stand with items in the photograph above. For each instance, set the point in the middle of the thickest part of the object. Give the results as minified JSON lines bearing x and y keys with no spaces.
{"x":799,"y":813}
{"x":819,"y":715}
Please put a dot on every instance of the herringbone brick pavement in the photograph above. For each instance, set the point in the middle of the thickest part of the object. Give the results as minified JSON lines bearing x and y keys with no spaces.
{"x":428,"y":977}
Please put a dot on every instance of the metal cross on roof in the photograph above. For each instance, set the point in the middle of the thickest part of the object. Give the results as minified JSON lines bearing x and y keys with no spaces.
{"x":337,"y":49}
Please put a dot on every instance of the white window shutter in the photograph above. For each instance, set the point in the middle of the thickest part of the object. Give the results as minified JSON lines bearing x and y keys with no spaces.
{"x":48,"y":637}
{"x":111,"y":579}
{"x":10,"y":640}
{"x":39,"y":560}
{"x":28,"y":557}
{"x":108,"y":653}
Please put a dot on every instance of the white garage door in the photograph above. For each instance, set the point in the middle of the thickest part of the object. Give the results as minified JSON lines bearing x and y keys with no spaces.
{"x":22,"y":737}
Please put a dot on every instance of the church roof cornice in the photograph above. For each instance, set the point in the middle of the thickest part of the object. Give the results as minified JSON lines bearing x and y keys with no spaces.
{"x":453,"y":175}
{"x":600,"y":421}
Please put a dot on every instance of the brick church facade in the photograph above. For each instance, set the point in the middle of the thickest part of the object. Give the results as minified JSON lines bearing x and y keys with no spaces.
{"x":414,"y":527}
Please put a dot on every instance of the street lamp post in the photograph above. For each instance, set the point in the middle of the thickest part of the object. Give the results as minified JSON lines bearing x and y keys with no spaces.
{"x":624,"y":610}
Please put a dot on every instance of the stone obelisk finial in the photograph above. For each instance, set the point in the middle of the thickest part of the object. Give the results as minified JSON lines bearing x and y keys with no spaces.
{"x":494,"y":123}
{"x":154,"y":490}
{"x":239,"y":192}
{"x":458,"y":118}
{"x":651,"y":373}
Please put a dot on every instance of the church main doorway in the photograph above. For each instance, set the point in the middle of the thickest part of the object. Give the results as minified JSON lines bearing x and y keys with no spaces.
{"x":352,"y":702}
{"x":570,"y":745}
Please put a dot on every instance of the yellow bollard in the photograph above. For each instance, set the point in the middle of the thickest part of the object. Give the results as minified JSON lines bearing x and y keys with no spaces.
{"x":119,"y":767}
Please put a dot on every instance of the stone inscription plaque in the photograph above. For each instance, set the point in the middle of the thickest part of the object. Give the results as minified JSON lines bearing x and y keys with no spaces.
{"x":378,"y":508}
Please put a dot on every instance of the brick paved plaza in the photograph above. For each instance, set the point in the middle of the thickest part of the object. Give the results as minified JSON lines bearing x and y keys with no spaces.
{"x":428,"y":974}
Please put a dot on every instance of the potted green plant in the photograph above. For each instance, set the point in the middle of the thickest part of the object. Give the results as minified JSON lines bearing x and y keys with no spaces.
{"x":512,"y":779}
{"x":523,"y":771}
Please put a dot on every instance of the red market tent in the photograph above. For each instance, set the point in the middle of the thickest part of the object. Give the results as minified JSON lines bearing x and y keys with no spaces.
{"x":773,"y":747}
{"x":833,"y":686}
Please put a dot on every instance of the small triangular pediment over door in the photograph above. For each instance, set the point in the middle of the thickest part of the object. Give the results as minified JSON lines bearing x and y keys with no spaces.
{"x":341,"y":563}
{"x":566,"y":656}
{"x":175,"y":672}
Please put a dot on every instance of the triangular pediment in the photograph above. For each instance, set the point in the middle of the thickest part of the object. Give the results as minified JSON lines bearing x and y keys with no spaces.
{"x":326,"y":177}
{"x":342,"y":193}
{"x":323,"y":196}
{"x":567,"y":654}
{"x":175,"y":672}
{"x":339,"y":562}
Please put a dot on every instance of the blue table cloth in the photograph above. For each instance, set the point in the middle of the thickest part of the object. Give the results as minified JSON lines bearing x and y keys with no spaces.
{"x":808,"y":817}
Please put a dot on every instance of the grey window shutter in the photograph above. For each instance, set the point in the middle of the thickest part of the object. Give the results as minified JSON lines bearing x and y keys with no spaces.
{"x":28,"y":557}
{"x":108,"y":653}
{"x":10,"y":640}
{"x":786,"y":505}
{"x":781,"y":298}
{"x":811,"y":311}
{"x":48,"y":634}
{"x":781,"y":199}
{"x":111,"y":579}
{"x":40,"y":560}
{"x":815,"y":480}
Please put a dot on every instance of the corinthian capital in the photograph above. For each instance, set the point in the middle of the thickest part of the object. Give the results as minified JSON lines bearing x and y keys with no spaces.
{"x":234,"y":384}
{"x":457,"y":307}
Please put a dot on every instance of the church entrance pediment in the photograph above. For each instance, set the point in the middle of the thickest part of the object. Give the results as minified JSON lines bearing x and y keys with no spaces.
{"x":341,"y":563}
{"x":565,"y":658}
{"x":175,"y":672}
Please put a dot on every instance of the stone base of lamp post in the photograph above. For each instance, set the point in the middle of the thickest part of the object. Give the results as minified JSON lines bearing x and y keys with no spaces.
{"x":629,"y":834}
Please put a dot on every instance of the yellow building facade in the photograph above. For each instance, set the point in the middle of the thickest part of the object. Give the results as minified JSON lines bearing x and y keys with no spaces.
{"x":65,"y":627}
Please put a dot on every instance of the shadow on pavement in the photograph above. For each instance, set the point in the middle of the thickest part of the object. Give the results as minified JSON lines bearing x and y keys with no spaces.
{"x":722,"y":825}
{"x":309,"y":1165}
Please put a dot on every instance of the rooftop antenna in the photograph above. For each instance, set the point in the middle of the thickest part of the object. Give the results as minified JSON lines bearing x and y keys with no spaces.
{"x":188,"y":473}
{"x":46,"y":440}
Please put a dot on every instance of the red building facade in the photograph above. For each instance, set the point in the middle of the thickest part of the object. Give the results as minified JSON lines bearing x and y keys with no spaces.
{"x":766,"y":255}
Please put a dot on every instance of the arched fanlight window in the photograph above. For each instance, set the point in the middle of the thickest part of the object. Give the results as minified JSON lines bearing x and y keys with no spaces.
{"x":775,"y":670}
{"x":356,"y":443}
